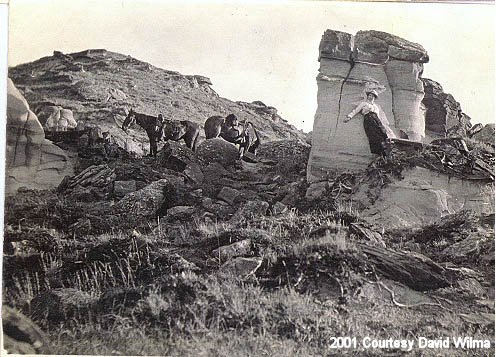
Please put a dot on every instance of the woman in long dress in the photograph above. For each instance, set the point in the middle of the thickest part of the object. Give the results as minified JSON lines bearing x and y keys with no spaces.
{"x":377,"y":130}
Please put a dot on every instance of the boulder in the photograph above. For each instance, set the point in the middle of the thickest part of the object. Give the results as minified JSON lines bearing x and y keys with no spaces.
{"x":116,"y":94}
{"x":217,"y":150}
{"x":194,"y":173}
{"x":100,"y":176}
{"x":335,"y":45}
{"x":92,"y":184}
{"x":220,"y":209}
{"x":31,"y":160}
{"x":66,"y":120}
{"x":234,"y":250}
{"x":278,"y":208}
{"x":56,"y":118}
{"x":349,"y":66}
{"x":145,"y":202}
{"x":378,"y":47}
{"x":122,"y":188}
{"x":241,"y":267}
{"x":230,"y":195}
{"x":181,"y":212}
{"x":176,"y":157}
{"x":316,"y":189}
{"x":460,"y":251}
{"x":472,"y":286}
{"x":179,"y":264}
{"x":250,"y":209}
{"x":21,"y":335}
{"x":214,"y":171}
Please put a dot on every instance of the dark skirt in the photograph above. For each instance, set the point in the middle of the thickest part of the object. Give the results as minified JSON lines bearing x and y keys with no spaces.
{"x":376,"y":133}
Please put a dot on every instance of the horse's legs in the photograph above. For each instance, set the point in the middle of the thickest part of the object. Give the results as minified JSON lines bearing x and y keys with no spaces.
{"x":241,"y":150}
{"x":195,"y":141}
{"x":189,"y":140}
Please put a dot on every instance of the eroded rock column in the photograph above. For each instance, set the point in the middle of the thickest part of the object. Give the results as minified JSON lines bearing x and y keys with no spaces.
{"x":350,"y":65}
{"x":31,"y":160}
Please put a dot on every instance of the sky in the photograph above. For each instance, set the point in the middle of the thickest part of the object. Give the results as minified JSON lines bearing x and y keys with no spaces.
{"x":264,"y":51}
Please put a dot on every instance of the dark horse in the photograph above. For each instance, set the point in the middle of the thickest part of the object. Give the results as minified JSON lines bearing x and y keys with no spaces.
{"x":151,"y":124}
{"x":228,"y":128}
{"x":184,"y":129}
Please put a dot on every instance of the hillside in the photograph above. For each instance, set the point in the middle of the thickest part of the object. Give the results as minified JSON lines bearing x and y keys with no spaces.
{"x":200,"y":253}
{"x":99,"y":86}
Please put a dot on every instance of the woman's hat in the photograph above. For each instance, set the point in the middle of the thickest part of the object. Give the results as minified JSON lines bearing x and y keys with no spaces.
{"x":373,"y":92}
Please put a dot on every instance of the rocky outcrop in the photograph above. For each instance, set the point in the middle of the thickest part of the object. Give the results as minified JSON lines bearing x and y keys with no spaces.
{"x":443,"y":112}
{"x":31,"y":160}
{"x":485,"y":135}
{"x":350,"y":65}
{"x":56,"y":118}
{"x":424,"y":196}
{"x":21,"y":335}
{"x":145,"y":202}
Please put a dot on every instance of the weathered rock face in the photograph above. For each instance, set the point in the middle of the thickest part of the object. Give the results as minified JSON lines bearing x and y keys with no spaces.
{"x":424,"y":196}
{"x":31,"y":160}
{"x":443,"y":112}
{"x":145,"y":202}
{"x":350,"y":65}
{"x":56,"y":118}
{"x":21,"y":335}
{"x":486,"y":135}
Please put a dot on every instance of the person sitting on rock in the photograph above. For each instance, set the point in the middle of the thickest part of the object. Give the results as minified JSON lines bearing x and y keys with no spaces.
{"x":231,"y":131}
{"x":376,"y":125}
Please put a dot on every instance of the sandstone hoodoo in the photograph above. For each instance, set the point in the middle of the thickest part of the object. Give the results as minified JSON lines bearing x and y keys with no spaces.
{"x":31,"y":160}
{"x":350,"y":66}
{"x":376,"y":114}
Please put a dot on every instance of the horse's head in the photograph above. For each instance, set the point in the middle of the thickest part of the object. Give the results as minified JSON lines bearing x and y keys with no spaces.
{"x":130,"y":119}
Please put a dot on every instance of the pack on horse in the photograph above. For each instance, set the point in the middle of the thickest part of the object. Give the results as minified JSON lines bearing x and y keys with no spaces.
{"x":184,"y":129}
{"x":228,"y":128}
{"x":151,"y":124}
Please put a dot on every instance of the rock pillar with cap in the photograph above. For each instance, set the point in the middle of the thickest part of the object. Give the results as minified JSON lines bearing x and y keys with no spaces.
{"x":349,"y":67}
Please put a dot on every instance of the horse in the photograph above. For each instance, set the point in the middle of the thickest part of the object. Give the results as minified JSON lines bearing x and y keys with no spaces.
{"x":245,"y":135}
{"x":151,"y":124}
{"x":184,"y":129}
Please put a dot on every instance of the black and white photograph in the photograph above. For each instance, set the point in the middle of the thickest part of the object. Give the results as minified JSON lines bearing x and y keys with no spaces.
{"x":248,"y":178}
